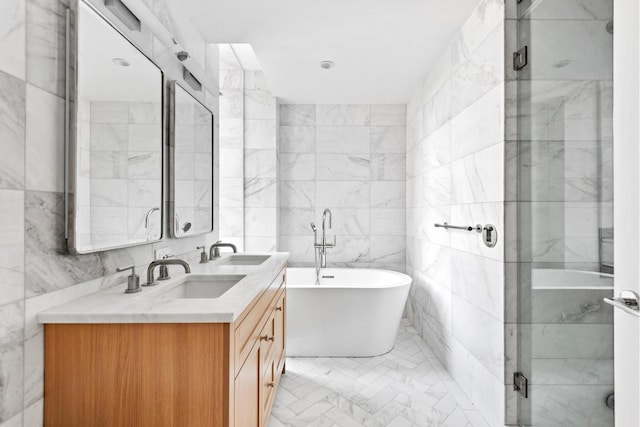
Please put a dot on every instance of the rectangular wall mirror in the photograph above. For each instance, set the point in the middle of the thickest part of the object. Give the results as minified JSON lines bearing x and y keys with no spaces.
{"x":191,"y":164}
{"x":115,"y":138}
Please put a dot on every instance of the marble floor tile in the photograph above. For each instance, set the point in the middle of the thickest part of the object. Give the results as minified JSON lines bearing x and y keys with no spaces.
{"x":405,"y":387}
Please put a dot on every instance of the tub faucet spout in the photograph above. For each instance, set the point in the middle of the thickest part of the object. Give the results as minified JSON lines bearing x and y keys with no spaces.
{"x":322,"y":247}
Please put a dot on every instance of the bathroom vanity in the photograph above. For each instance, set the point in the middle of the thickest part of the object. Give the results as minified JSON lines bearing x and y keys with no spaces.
{"x":171,"y":355}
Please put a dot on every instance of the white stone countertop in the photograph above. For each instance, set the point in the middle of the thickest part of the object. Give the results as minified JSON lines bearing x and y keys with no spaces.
{"x":113,"y":305}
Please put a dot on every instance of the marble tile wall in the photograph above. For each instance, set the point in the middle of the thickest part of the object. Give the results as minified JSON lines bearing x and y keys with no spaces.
{"x":351,"y":159}
{"x":456,"y":169}
{"x":36,"y":270}
{"x":232,"y":157}
{"x":260,"y":165}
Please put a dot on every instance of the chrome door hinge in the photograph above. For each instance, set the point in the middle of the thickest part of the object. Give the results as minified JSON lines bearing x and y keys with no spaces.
{"x":521,"y":58}
{"x":521,"y":384}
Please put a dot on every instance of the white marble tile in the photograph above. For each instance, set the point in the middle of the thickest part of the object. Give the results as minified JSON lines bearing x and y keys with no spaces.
{"x":231,"y":79}
{"x":343,"y":115}
{"x":437,"y":111}
{"x":109,"y":112}
{"x":260,"y":163}
{"x":145,"y":112}
{"x":231,"y":193}
{"x":11,"y":246}
{"x":295,"y":221}
{"x":297,"y":194}
{"x":109,"y":137}
{"x":260,"y":192}
{"x":232,"y":105}
{"x":16,"y":421}
{"x":349,"y":249}
{"x":387,"y":167}
{"x":255,"y":80}
{"x":388,"y":139}
{"x":571,"y":405}
{"x":260,"y":105}
{"x":231,"y":162}
{"x":34,"y":414}
{"x":297,"y":167}
{"x":388,"y":115}
{"x":436,"y":186}
{"x":144,"y":165}
{"x":387,"y":249}
{"x":297,"y":139}
{"x":46,"y":26}
{"x":144,"y":193}
{"x":231,"y":132}
{"x":299,"y":247}
{"x":551,"y":341}
{"x":11,"y":375}
{"x":260,"y":222}
{"x":12,"y":132}
{"x":481,"y":334}
{"x":109,"y":192}
{"x":481,"y":71}
{"x":260,"y":134}
{"x":387,"y":194}
{"x":147,"y":137}
{"x":479,"y":280}
{"x":342,"y":167}
{"x":346,"y":194}
{"x":260,"y":244}
{"x":12,"y":38}
{"x":342,"y":139}
{"x":436,"y":150}
{"x":479,"y":177}
{"x":203,"y":168}
{"x":387,"y":222}
{"x":297,"y":115}
{"x":345,"y":221}
{"x":33,"y":369}
{"x":479,"y":126}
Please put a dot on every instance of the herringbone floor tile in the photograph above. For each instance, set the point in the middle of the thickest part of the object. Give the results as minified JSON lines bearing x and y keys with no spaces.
{"x":405,"y":387}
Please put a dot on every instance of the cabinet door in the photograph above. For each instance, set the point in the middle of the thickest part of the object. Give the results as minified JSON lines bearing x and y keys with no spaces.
{"x":268,"y":384}
{"x":279,"y":332}
{"x":247,"y":391}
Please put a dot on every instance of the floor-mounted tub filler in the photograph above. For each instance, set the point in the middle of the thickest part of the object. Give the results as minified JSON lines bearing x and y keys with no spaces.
{"x":351,"y":312}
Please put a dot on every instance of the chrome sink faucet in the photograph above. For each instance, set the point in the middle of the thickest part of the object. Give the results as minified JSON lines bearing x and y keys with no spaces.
{"x":164,"y":262}
{"x":321,"y":248}
{"x":214,"y":250}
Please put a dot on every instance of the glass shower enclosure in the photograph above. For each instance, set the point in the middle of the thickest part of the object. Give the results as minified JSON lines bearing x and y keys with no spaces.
{"x":565,"y":212}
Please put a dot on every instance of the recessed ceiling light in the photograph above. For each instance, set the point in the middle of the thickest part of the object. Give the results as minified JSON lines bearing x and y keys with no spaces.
{"x":327,"y":64}
{"x":121,"y":62}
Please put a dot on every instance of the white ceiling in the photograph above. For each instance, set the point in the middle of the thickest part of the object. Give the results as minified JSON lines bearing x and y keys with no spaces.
{"x":382,"y":48}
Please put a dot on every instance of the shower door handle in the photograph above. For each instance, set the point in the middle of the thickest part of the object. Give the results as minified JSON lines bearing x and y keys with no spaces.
{"x":627,"y":302}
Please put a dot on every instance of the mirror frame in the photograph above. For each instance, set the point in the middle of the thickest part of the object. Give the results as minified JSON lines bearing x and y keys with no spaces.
{"x":172,"y":140}
{"x":71,"y":137}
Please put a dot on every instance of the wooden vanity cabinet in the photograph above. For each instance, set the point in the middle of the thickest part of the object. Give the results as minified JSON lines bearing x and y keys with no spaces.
{"x":259,"y":373}
{"x":168,"y":374}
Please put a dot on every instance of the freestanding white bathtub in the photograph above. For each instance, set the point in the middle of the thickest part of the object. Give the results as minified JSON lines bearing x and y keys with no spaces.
{"x":353,"y":312}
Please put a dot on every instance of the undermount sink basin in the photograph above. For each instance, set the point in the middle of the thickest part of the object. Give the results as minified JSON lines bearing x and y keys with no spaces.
{"x":199,"y":287}
{"x":244,"y":260}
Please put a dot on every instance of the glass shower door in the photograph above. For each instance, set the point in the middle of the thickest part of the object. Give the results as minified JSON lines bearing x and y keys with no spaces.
{"x":565,"y":212}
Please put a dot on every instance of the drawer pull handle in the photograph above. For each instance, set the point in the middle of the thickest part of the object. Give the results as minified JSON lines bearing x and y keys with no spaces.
{"x":279,"y":308}
{"x":270,"y":384}
{"x":267,"y":338}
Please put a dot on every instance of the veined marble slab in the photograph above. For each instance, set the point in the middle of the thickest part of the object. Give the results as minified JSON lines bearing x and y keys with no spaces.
{"x":114,"y":306}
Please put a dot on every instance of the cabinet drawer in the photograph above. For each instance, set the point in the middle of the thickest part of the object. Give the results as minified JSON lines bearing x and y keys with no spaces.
{"x":250,"y":323}
{"x":269,"y":384}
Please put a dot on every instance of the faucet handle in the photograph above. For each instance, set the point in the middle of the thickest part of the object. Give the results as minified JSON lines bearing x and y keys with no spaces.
{"x":133,"y":280}
{"x":204,"y":258}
